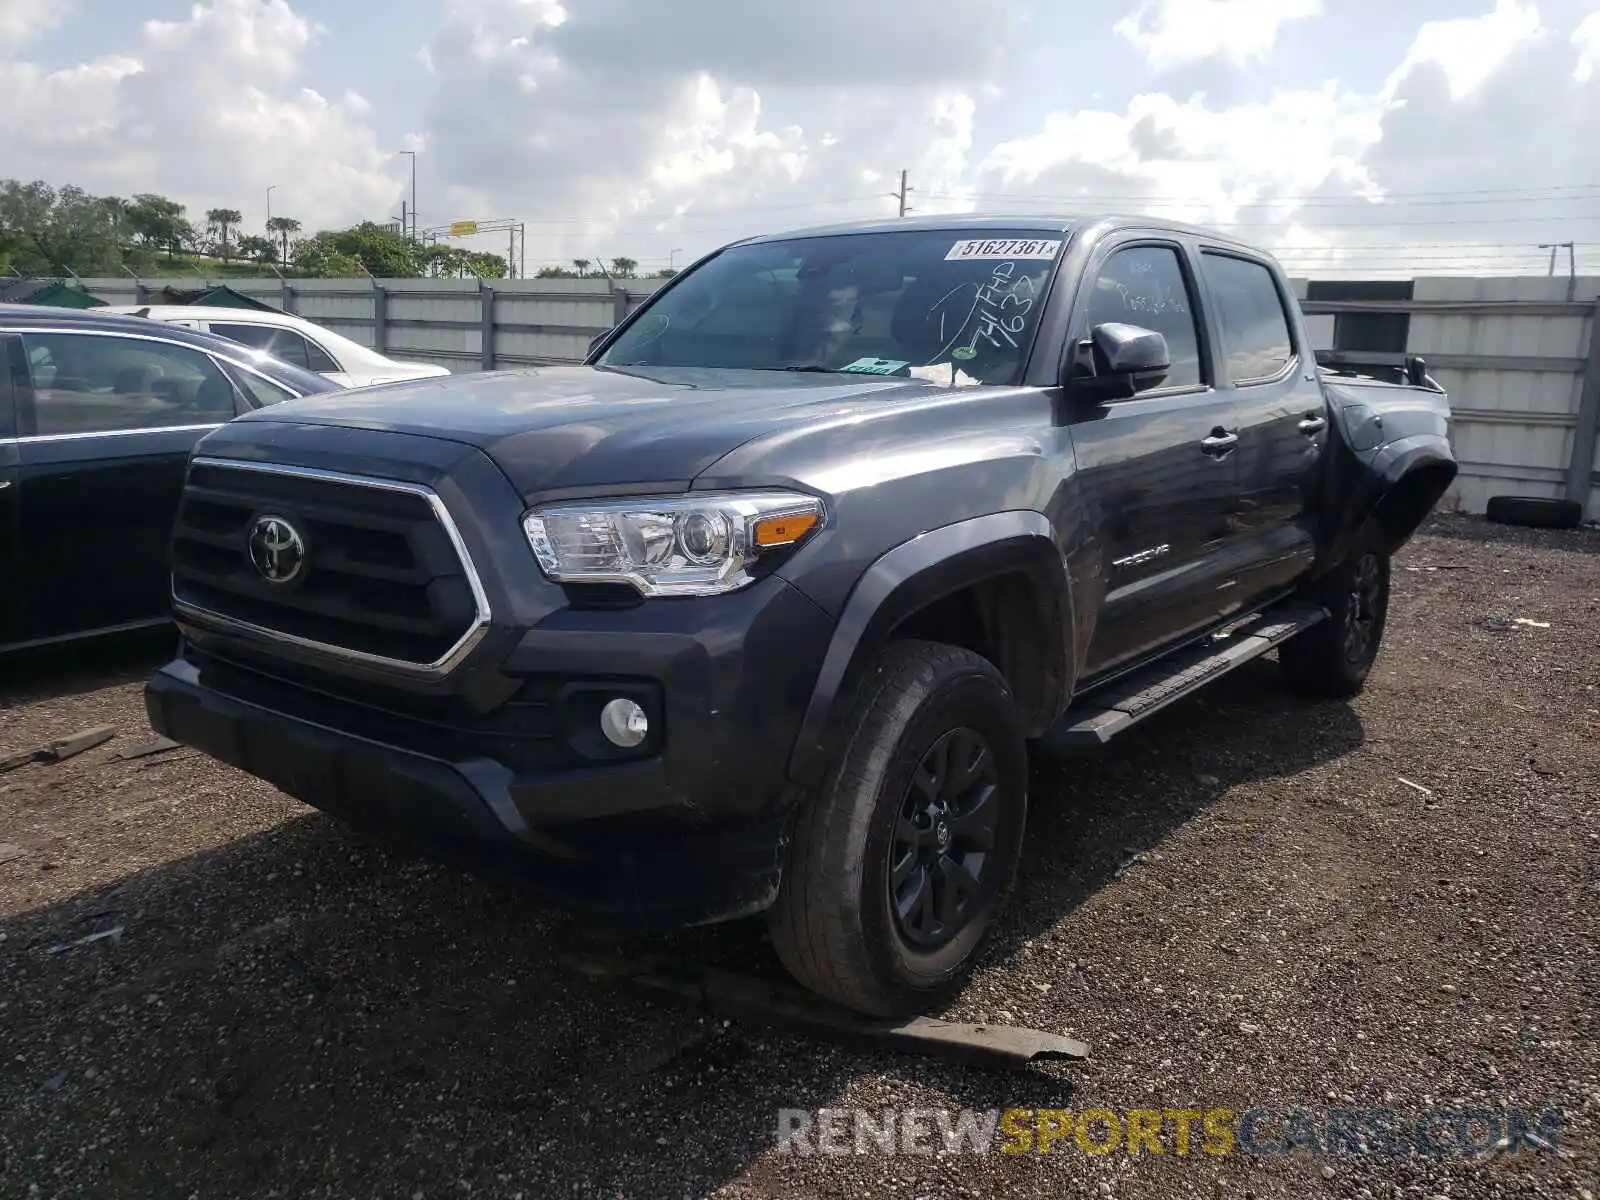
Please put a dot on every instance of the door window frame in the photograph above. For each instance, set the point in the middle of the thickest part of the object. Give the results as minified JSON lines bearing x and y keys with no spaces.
{"x":1297,"y":352}
{"x":12,"y":364}
{"x":1209,"y":382}
{"x":27,"y":418}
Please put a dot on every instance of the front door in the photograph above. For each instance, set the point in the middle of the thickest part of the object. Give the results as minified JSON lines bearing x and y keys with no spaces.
{"x":1157,"y":471}
{"x":106,"y":424}
{"x":1282,"y":418}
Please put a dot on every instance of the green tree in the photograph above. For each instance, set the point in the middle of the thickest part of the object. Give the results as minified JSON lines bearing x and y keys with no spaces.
{"x":283,"y":228}
{"x":623,"y":268}
{"x":555,"y":273}
{"x":380,"y":250}
{"x":487,"y":266}
{"x":666,"y":272}
{"x":44,"y":230}
{"x":257,"y":248}
{"x":218,"y":222}
{"x":158,"y":223}
{"x":582,"y":266}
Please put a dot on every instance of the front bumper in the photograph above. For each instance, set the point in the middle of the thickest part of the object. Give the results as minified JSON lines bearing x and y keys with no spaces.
{"x":690,"y":832}
{"x":640,"y":872}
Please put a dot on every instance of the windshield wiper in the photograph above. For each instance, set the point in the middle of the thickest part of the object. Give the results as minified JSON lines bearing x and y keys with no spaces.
{"x":817,"y":367}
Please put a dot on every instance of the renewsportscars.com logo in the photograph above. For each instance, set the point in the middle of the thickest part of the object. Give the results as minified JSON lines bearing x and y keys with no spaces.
{"x":1266,"y":1132}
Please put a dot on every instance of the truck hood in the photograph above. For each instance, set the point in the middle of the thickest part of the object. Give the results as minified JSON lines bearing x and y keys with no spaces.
{"x":561,"y":428}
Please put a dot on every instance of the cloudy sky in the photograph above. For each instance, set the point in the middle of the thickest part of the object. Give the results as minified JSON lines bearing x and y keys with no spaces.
{"x":1354,"y":136}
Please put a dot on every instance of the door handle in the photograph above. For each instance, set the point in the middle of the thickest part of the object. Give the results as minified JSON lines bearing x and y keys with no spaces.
{"x":1313,"y":425}
{"x":1220,"y":443}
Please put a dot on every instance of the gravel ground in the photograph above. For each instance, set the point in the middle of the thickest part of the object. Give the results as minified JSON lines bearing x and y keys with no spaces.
{"x":1240,"y":904}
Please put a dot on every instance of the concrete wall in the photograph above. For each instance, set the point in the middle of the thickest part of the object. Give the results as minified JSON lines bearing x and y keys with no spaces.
{"x":1517,"y":355}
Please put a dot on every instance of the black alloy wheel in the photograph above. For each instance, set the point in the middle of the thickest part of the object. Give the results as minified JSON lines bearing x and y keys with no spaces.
{"x":942,"y":840}
{"x":1362,"y":608}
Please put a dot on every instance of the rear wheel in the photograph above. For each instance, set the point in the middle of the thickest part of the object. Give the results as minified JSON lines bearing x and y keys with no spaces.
{"x":902,"y":861}
{"x":1334,"y":657}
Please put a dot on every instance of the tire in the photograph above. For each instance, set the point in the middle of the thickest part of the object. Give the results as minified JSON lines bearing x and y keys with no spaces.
{"x":839,"y":925}
{"x":1334,"y":657}
{"x":1534,"y":512}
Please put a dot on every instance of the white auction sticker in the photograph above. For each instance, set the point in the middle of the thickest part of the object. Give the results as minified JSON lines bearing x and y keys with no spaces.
{"x":1001,"y":248}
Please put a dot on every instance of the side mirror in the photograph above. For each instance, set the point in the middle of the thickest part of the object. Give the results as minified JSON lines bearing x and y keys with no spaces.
{"x":594,"y":342}
{"x":1117,"y":362}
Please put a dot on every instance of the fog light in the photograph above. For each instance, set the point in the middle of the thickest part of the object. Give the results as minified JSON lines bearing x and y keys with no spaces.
{"x":624,"y":723}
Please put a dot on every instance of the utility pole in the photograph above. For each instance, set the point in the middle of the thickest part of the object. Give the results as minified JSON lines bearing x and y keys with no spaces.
{"x":413,"y":231}
{"x":905,"y":190}
{"x":1572,"y":263}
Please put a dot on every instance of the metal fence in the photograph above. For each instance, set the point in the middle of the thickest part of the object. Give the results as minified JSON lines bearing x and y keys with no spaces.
{"x":1521,"y":362}
{"x":462,"y":324}
{"x":1518,"y":356}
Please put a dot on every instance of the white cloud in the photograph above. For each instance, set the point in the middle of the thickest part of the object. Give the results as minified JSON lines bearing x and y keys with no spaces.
{"x":1171,"y":33}
{"x":1470,"y":49}
{"x":212,"y":109}
{"x":623,"y":127}
{"x":1587,"y":39}
{"x":21,"y":20}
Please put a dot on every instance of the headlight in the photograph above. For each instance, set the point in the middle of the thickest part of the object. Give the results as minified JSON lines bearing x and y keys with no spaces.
{"x":695,"y":545}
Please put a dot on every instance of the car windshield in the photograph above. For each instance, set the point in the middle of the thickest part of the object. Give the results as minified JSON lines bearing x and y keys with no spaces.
{"x":953,"y":306}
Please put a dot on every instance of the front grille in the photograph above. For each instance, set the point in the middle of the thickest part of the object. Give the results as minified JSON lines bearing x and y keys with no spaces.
{"x":381,"y":577}
{"x":522,"y":731}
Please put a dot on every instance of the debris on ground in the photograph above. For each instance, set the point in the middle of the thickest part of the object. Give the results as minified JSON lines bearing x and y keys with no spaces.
{"x":59,"y":749}
{"x":158,"y":745}
{"x":114,"y":933}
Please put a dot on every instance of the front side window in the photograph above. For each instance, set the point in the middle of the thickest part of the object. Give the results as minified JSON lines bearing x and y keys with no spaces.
{"x":92,"y":383}
{"x":1145,"y":286}
{"x":283,"y":344}
{"x":950,"y":306}
{"x":1255,"y":329}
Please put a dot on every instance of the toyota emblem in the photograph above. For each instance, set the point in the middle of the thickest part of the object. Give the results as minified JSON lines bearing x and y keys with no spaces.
{"x":277,"y":551}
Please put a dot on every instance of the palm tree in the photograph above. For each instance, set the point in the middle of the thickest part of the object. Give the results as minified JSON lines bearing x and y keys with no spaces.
{"x":623,"y":268}
{"x":283,"y":227}
{"x":221,"y":220}
{"x":583,"y":266}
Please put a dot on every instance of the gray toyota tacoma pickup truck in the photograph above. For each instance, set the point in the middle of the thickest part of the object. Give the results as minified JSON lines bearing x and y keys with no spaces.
{"x":759,"y":609}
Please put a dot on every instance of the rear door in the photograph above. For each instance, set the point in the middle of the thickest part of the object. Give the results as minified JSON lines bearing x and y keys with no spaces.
{"x":106,"y":423}
{"x":1281,"y":414}
{"x":1157,"y":470}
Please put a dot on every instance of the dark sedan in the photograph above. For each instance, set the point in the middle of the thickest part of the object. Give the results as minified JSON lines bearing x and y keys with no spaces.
{"x":98,"y":415}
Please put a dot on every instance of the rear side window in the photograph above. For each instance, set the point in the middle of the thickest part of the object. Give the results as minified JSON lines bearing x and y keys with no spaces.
{"x":283,"y":344}
{"x":1255,"y":328}
{"x":93,"y":383}
{"x":260,"y":390}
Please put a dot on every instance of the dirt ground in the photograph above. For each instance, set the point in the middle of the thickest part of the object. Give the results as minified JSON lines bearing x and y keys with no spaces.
{"x":1250,"y":901}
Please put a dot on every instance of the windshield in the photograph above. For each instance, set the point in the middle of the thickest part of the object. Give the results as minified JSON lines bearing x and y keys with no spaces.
{"x":947,"y":306}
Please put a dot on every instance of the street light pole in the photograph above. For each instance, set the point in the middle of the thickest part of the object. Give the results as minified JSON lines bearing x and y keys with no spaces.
{"x":413,"y":154}
{"x":270,"y":189}
{"x":672,"y":258}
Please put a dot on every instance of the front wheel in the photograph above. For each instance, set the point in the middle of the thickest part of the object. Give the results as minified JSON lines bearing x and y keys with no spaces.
{"x":1334,"y":657}
{"x":901,"y":862}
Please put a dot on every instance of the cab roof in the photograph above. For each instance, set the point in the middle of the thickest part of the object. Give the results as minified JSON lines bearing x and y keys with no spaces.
{"x":1094,"y":224}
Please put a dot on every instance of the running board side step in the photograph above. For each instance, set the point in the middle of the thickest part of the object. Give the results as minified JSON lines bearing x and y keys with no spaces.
{"x":1108,"y":711}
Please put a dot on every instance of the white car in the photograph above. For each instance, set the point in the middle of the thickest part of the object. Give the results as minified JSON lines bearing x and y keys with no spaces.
{"x":290,"y":339}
